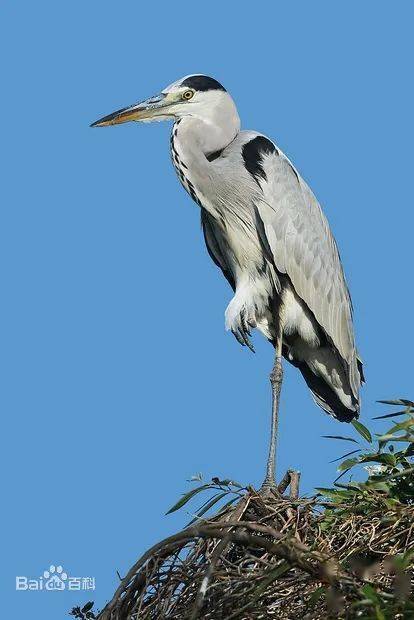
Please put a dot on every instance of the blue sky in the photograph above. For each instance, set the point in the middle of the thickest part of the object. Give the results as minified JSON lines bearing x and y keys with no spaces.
{"x":119,"y":381}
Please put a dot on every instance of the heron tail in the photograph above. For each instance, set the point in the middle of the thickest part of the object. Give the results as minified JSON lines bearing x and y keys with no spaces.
{"x":335,"y":397}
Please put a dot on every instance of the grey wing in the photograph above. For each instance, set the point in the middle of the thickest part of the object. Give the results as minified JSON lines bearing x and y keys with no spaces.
{"x":214,"y":243}
{"x":302,"y":246}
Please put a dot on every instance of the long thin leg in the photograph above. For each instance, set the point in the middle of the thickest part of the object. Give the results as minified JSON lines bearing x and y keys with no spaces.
{"x":276,"y":378}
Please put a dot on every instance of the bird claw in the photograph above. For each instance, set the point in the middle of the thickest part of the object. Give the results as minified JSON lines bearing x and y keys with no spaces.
{"x":245,"y":327}
{"x":239,"y":325}
{"x":249,"y":344}
{"x":238,"y":337}
{"x":243,"y":338}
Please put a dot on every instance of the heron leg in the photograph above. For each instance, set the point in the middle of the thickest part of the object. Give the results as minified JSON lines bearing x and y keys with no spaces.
{"x":276,"y":378}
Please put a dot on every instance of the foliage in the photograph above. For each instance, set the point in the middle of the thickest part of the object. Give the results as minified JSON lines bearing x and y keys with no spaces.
{"x":84,"y":613}
{"x":388,"y":461}
{"x":221,"y":489}
{"x":387,"y":490}
{"x":347,"y":552}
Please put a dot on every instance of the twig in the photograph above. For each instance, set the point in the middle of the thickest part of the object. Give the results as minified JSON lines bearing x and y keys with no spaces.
{"x":294,"y":484}
{"x":217,"y":553}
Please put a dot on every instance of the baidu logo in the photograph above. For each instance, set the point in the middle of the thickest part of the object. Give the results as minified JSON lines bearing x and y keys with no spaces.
{"x":55,"y":579}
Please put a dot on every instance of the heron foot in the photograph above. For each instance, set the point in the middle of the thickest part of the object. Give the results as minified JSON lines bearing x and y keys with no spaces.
{"x":290,"y":479}
{"x":239,"y":323}
{"x":269,"y":488}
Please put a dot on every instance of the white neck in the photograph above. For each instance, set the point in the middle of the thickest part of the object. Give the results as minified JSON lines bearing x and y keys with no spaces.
{"x":194,"y":139}
{"x":209,"y":128}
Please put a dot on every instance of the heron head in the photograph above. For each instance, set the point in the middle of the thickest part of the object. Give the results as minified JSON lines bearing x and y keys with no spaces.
{"x":199,"y":96}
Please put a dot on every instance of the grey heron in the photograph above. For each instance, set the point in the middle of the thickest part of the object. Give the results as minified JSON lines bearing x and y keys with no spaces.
{"x":265,"y":230}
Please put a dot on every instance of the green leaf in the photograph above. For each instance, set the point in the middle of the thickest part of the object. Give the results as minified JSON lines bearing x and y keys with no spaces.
{"x":402,"y":426}
{"x":229,"y":503}
{"x":407,"y":403}
{"x":331,"y":493}
{"x":403,"y":560}
{"x":362,"y":430}
{"x":378,"y":486}
{"x":349,"y":487}
{"x":316,"y":595}
{"x":187,"y":496}
{"x":339,"y":437}
{"x":371,"y":594}
{"x":236,"y":484}
{"x":345,"y":455}
{"x":375,"y":457}
{"x":196,"y":477}
{"x":226,"y":482}
{"x":408,"y":437}
{"x":216,"y":498}
{"x":341,"y":475}
{"x":388,"y":459}
{"x":348,"y":464}
{"x":390,"y":415}
{"x":280,"y":570}
{"x":403,"y":472}
{"x":399,"y":401}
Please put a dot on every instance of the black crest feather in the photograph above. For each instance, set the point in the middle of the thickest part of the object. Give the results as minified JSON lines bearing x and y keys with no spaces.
{"x":202,"y":83}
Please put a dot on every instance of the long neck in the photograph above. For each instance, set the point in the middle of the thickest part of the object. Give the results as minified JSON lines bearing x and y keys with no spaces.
{"x":195,"y":143}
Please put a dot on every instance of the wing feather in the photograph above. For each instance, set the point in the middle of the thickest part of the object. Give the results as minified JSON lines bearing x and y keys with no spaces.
{"x":303,"y":247}
{"x":214,"y":247}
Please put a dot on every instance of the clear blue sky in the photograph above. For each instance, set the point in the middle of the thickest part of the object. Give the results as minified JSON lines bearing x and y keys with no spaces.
{"x":118,"y":379}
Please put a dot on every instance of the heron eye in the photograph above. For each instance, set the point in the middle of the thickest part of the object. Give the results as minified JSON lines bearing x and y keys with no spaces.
{"x":188,"y":94}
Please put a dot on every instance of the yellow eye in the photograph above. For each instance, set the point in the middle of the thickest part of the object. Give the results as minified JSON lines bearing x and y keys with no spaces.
{"x":187,"y":94}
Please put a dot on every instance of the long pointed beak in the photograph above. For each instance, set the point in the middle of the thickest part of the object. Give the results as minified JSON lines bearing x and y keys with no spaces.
{"x":144,"y":111}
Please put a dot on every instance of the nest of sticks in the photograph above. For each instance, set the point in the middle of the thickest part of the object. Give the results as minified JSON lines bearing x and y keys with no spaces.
{"x":268,"y":556}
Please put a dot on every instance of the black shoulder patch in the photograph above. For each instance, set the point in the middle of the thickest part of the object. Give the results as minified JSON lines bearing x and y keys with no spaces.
{"x":253,"y":152}
{"x":202,"y":83}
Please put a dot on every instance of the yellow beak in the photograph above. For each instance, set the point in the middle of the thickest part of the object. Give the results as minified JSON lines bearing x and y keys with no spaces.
{"x":147,"y":110}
